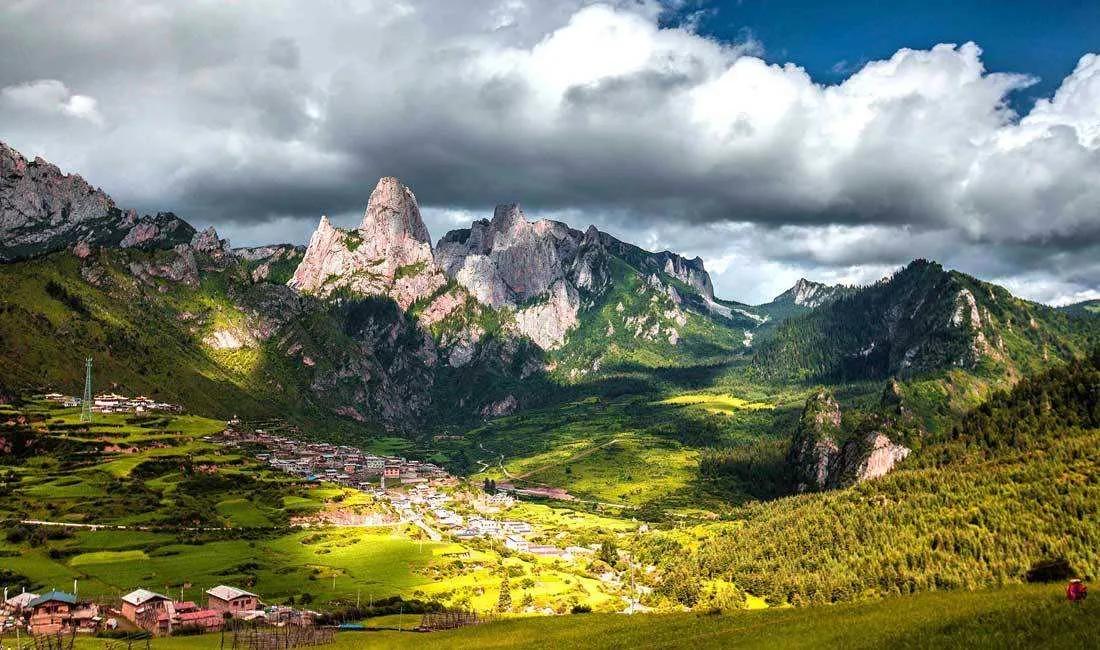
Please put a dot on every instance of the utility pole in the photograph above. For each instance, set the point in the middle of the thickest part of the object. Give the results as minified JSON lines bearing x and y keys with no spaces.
{"x":86,"y":403}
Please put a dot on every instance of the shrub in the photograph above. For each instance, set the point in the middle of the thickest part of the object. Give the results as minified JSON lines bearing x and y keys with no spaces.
{"x":1050,"y":570}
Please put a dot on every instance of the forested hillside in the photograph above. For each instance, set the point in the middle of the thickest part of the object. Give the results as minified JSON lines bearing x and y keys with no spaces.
{"x":1014,"y":485}
{"x":921,"y":320}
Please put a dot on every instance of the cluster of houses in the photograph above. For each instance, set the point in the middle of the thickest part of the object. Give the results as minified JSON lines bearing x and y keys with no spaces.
{"x":61,"y":612}
{"x":513,"y":534}
{"x":113,"y":403}
{"x":340,"y":464}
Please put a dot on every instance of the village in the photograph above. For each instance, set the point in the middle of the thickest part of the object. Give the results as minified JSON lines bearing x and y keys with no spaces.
{"x":58,"y":613}
{"x":412,"y":488}
{"x":113,"y":403}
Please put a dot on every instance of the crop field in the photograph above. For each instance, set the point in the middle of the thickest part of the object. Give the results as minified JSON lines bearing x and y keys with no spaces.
{"x":185,"y":514}
{"x":141,"y":471}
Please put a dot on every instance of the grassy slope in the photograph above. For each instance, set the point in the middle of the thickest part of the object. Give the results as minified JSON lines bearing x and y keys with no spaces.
{"x":1012,"y":485}
{"x":1015,"y":617}
{"x":139,"y":339}
{"x":604,"y":334}
{"x":638,"y":451}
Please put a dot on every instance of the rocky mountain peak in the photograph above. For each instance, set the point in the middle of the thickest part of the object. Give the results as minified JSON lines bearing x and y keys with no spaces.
{"x":393,"y":215}
{"x":207,"y":241}
{"x":507,"y":218}
{"x":390,"y":254}
{"x":808,"y":293}
{"x":43,"y":210}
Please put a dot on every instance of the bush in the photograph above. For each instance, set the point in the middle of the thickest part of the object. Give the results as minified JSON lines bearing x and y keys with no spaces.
{"x":581,"y":609}
{"x":188,"y":630}
{"x":1050,"y":570}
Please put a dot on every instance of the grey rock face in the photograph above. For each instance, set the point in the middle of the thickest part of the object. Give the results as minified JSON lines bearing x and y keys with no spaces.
{"x":508,"y":260}
{"x":807,"y":293}
{"x":814,"y":449}
{"x":43,"y":210}
{"x":536,"y":268}
{"x":388,"y":254}
{"x":819,"y":462}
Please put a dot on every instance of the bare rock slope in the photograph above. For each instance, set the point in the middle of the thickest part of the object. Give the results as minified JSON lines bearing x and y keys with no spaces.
{"x":43,"y":210}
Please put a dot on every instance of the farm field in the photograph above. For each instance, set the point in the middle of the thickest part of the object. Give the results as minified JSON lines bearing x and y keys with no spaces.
{"x":1011,"y":617}
{"x":186,"y":514}
{"x":636,"y":454}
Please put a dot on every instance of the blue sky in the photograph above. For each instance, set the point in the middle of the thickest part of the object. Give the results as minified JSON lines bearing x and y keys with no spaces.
{"x":833,"y":39}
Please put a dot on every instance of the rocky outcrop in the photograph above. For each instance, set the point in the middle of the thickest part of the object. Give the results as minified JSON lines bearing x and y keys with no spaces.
{"x":806,"y":293}
{"x":814,"y":449}
{"x":867,"y":456}
{"x":176,"y":266}
{"x":819,"y":461}
{"x":500,"y":408}
{"x":43,"y":210}
{"x":389,"y":254}
{"x":548,"y":321}
{"x":539,"y":269}
{"x":271,"y":263}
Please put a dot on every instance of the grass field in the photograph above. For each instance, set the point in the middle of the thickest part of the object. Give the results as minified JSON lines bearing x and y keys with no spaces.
{"x":161,"y":474}
{"x":635,"y":452}
{"x":1013,"y":617}
{"x":716,"y":404}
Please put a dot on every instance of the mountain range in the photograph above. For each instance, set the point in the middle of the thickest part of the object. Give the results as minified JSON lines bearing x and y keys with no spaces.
{"x":375,"y":326}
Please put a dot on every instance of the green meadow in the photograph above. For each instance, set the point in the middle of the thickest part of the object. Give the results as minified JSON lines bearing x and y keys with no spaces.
{"x":1012,"y":617}
{"x":182,"y":514}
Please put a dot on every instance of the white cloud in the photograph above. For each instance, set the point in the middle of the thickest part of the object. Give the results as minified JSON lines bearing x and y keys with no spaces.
{"x":50,"y":96}
{"x":584,"y":111}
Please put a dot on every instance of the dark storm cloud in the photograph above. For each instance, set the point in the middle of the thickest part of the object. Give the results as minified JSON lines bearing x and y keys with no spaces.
{"x":258,"y":117}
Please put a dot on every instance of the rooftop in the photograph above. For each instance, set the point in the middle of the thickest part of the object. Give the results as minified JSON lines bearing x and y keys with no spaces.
{"x":142,"y":596}
{"x":59,"y":596}
{"x":225,"y":592}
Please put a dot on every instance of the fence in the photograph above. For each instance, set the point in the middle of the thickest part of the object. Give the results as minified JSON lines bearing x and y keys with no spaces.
{"x":62,"y":640}
{"x":267,"y":637}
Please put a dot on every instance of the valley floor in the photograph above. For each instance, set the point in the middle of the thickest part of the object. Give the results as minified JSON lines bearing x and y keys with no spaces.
{"x":1012,"y":617}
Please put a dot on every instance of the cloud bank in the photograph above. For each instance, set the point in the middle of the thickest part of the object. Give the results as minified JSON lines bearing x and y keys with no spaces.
{"x":259,"y":117}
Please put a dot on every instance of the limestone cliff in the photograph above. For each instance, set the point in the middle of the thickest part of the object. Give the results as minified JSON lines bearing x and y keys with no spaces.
{"x":538,"y":269}
{"x":818,"y":460}
{"x":814,"y":449}
{"x":43,"y":210}
{"x":388,"y":254}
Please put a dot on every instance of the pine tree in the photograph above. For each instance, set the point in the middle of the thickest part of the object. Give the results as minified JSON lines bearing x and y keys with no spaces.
{"x":504,"y":603}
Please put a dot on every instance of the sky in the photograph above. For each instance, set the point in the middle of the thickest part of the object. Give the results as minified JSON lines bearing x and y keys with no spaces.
{"x":776,"y":140}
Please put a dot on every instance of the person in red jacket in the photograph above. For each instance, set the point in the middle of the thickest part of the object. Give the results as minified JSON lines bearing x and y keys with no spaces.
{"x":1076,"y":591}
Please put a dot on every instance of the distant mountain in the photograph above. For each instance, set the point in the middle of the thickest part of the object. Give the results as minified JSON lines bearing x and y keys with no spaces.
{"x":371,"y":323}
{"x":922,"y":319}
{"x":806,"y":293}
{"x":43,"y":210}
{"x":803,"y":297}
{"x":1085,"y":308}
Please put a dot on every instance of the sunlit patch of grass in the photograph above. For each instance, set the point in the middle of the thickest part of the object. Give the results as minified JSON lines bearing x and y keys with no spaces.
{"x":718,"y":404}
